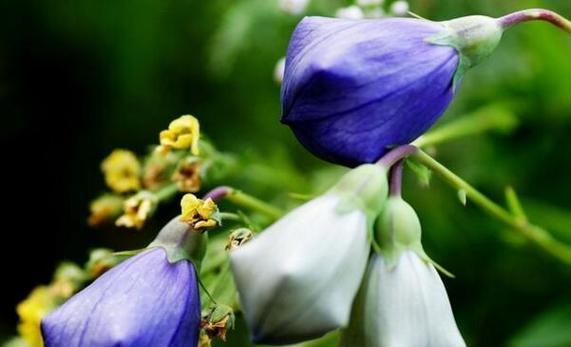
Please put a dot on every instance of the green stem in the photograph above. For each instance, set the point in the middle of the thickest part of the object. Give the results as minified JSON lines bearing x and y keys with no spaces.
{"x":494,"y":117}
{"x":242,"y":199}
{"x":166,"y":193}
{"x":533,"y":233}
{"x":230,"y":216}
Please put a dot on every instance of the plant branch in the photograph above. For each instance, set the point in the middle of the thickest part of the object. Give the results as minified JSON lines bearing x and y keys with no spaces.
{"x":533,"y":233}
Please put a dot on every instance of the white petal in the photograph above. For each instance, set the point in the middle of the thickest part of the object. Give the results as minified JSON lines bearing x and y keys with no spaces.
{"x":400,"y":8}
{"x":293,"y":6}
{"x":404,"y":306}
{"x":298,"y":279}
{"x":350,"y":12}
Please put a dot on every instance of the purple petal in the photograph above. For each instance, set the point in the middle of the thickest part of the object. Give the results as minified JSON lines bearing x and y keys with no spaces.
{"x":353,"y":88}
{"x":144,"y":301}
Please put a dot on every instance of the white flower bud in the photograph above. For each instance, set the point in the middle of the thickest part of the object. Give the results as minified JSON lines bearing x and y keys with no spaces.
{"x":350,"y":12}
{"x":403,"y":305}
{"x":298,"y":278}
{"x":294,"y":7}
{"x":400,"y":8}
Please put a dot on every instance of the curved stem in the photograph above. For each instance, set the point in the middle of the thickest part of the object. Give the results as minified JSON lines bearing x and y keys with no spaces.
{"x":533,"y":233}
{"x":242,"y":199}
{"x":396,"y":179}
{"x":396,"y":154}
{"x":217,"y":193}
{"x":535,"y":14}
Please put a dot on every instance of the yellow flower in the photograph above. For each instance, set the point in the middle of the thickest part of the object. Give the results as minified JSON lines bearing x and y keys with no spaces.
{"x":31,"y":311}
{"x":201,"y":214}
{"x":137,"y":209}
{"x":104,"y":210}
{"x":187,"y":175}
{"x":122,"y":171}
{"x":183,"y":133}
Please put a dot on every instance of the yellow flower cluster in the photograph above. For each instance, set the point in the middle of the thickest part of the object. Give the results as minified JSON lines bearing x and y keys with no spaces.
{"x":43,"y":299}
{"x":137,"y":209}
{"x":122,"y":171}
{"x":104,"y":210}
{"x":201,"y":214}
{"x":31,"y":311}
{"x":183,"y":133}
{"x":187,"y":175}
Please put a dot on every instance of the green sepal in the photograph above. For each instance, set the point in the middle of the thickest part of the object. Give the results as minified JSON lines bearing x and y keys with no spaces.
{"x":474,"y":37}
{"x":181,"y":242}
{"x":365,"y":188}
{"x":398,"y":230}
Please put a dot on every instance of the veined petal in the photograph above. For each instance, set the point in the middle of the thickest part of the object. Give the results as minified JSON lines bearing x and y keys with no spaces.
{"x":402,"y":306}
{"x":144,"y":301}
{"x":298,"y":279}
{"x":353,"y":88}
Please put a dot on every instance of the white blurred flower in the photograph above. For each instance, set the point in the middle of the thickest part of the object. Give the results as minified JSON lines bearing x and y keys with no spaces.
{"x":350,"y":12}
{"x":403,"y":305}
{"x":279,"y":70}
{"x":294,"y":7}
{"x":297,"y":279}
{"x":400,"y":8}
{"x":365,"y":3}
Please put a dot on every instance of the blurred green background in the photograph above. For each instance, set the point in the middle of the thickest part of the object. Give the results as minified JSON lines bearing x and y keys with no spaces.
{"x":81,"y":77}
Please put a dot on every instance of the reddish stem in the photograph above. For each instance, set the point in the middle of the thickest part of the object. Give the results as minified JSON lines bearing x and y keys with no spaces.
{"x":396,"y":179}
{"x":535,"y":14}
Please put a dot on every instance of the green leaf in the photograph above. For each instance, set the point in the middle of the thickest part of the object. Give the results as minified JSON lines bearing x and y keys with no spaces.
{"x":462,"y":196}
{"x":423,"y":174}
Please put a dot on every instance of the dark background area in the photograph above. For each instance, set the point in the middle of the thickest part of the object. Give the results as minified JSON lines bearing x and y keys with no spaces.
{"x":80,"y":78}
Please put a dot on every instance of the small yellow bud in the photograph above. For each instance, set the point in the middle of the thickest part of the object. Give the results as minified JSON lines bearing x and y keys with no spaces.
{"x":187,"y":175}
{"x":31,"y":311}
{"x":201,"y":214}
{"x":104,"y":210}
{"x":183,"y":133}
{"x":122,"y":171}
{"x":137,"y":209}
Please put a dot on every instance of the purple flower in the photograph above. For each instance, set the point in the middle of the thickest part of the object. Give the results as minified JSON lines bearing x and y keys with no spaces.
{"x":144,"y":301}
{"x":354,"y":88}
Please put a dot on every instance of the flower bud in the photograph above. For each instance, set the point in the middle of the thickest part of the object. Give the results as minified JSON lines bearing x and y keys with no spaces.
{"x":200,"y":214}
{"x":122,"y":171}
{"x":402,"y":305}
{"x":402,"y":301}
{"x":187,"y":175}
{"x":149,"y":300}
{"x":354,"y":88}
{"x":297,"y":279}
{"x":104,"y":210}
{"x":137,"y":209}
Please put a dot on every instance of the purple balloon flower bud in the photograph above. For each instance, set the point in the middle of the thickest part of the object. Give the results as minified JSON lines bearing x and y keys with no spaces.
{"x":354,"y":88}
{"x":145,"y":301}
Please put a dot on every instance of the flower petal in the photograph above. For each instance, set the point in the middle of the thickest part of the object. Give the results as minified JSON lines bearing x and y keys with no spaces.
{"x":298,"y":279}
{"x":144,"y":301}
{"x":353,"y":88}
{"x":406,"y":305}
